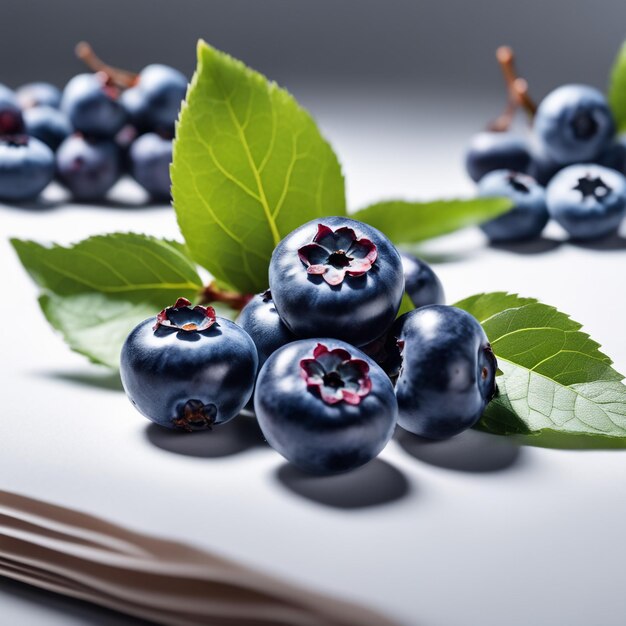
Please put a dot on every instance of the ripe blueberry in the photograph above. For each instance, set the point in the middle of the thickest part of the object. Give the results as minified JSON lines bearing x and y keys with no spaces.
{"x":187,"y":368}
{"x":47,"y":124}
{"x":324,"y":405}
{"x":38,"y":94}
{"x":11,"y":122}
{"x":336,"y":277}
{"x":588,"y":201}
{"x":88,"y":167}
{"x":529,"y":214}
{"x":543,"y":168}
{"x":574,"y":124}
{"x":92,"y":106}
{"x":154,"y":102}
{"x":387,"y":352}
{"x":448,"y":371}
{"x":26,"y":167}
{"x":490,"y":151}
{"x":422,"y":285}
{"x":614,"y":157}
{"x":261,"y":321}
{"x":150,"y":156}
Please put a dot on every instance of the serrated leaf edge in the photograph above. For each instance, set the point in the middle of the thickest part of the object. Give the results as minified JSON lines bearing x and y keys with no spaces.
{"x":17,"y":243}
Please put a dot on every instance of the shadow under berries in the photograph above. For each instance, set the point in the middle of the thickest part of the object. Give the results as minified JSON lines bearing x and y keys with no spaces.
{"x":233,"y":437}
{"x":375,"y":484}
{"x":607,"y":244}
{"x":471,"y":451}
{"x":109,"y":381}
{"x":39,"y":205}
{"x":539,"y":245}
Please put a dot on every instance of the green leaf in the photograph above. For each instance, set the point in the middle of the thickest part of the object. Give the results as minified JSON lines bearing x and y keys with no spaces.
{"x":617,"y":89}
{"x":484,"y":305}
{"x":410,"y":222}
{"x":557,"y":386}
{"x":249,"y":166}
{"x":406,"y":305}
{"x":97,"y":290}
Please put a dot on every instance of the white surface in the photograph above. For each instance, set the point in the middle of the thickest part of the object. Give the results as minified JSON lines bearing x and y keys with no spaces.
{"x":535,"y":537}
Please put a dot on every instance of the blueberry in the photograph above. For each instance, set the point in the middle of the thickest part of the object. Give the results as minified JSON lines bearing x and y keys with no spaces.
{"x":88,"y":167}
{"x":574,"y":124}
{"x":422,"y":285}
{"x":529,"y":214}
{"x":542,"y":167}
{"x":588,"y":201}
{"x":614,"y":157}
{"x":133,"y":102}
{"x":11,"y":121}
{"x":187,"y":368}
{"x":153,"y":104}
{"x":47,"y":124}
{"x":490,"y":151}
{"x":124,"y":139}
{"x":386,"y":352}
{"x":38,"y":94}
{"x":261,"y":321}
{"x":150,"y":156}
{"x":448,"y":371}
{"x":92,"y":106}
{"x":324,"y":405}
{"x":26,"y":167}
{"x":337,"y":277}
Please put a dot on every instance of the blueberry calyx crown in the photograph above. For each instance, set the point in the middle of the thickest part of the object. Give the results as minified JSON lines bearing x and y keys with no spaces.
{"x":333,"y":254}
{"x":584,"y":125}
{"x":517,"y":184}
{"x":195,"y":415}
{"x":182,"y":316}
{"x":15,"y":140}
{"x":336,"y":376}
{"x":592,"y":187}
{"x":11,"y":124}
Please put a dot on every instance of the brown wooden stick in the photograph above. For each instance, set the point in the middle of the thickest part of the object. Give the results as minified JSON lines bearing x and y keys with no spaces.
{"x":169,"y":583}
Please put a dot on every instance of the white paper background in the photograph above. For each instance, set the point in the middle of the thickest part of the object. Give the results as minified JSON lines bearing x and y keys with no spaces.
{"x":473,"y":531}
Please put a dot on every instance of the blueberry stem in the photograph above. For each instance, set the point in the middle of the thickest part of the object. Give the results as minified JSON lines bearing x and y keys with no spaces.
{"x":517,"y":90}
{"x":233,"y":299}
{"x":116,"y":76}
{"x":503,"y":122}
{"x":517,"y":87}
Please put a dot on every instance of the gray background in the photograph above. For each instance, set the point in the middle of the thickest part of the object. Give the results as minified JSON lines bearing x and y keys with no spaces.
{"x":413,"y":43}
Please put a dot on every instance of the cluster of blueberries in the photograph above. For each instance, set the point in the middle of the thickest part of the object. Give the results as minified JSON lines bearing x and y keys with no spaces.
{"x":89,"y":134}
{"x":320,"y":357}
{"x":572,"y":168}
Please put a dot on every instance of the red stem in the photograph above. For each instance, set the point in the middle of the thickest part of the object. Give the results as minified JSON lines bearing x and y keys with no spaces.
{"x":517,"y":89}
{"x":233,"y":299}
{"x":115,"y":76}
